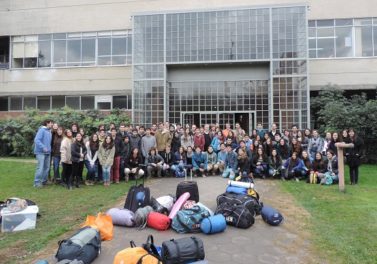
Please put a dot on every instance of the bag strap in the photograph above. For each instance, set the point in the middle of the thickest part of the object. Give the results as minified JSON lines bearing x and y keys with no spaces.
{"x":182,"y":224}
{"x":176,"y":246}
{"x":132,"y":243}
{"x":197,"y":247}
{"x":210,"y":225}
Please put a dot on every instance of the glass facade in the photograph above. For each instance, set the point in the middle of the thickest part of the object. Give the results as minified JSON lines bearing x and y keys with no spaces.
{"x":276,"y":35}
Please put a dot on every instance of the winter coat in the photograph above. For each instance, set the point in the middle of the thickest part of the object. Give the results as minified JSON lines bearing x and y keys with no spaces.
{"x":76,"y":150}
{"x":216,"y":144}
{"x":106,"y":156}
{"x":332,"y":166}
{"x":221,"y":156}
{"x":199,"y":141}
{"x":153,"y":159}
{"x":211,"y":158}
{"x":56,"y":145}
{"x":275,"y":163}
{"x":283,"y":151}
{"x":231,"y":160}
{"x":42,"y":141}
{"x":315,"y":144}
{"x":187,"y":141}
{"x":207,"y":141}
{"x":319,"y":166}
{"x":135,"y":141}
{"x":89,"y":155}
{"x":65,"y":150}
{"x":198,"y":159}
{"x":163,"y":138}
{"x":354,"y":154}
{"x":118,"y":144}
{"x":244,"y":164}
{"x":294,"y":165}
{"x":134,"y":162}
{"x":168,"y":157}
{"x":180,"y":158}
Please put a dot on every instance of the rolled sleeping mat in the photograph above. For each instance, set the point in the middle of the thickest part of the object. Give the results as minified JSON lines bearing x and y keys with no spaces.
{"x":236,"y":190}
{"x":178,"y":204}
{"x":213,"y":224}
{"x":246,"y":185}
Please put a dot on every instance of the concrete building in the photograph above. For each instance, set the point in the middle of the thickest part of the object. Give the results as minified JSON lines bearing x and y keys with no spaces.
{"x":185,"y":61}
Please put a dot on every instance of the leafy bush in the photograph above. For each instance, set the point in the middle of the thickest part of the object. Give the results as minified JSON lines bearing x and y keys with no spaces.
{"x":17,"y":134}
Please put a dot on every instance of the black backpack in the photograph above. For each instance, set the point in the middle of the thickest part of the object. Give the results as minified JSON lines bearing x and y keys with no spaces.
{"x":249,"y":202}
{"x":236,"y":215}
{"x":138,"y":196}
{"x":83,"y":246}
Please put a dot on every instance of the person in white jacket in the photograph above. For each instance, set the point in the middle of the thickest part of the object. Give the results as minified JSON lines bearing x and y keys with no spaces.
{"x":91,"y":159}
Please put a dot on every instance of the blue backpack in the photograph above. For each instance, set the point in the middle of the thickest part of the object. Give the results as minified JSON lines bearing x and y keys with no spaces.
{"x":188,"y":220}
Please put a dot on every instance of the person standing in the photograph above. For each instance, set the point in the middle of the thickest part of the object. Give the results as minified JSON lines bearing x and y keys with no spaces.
{"x":163,"y":138}
{"x":106,"y":158}
{"x":56,"y":143}
{"x":115,"y":169}
{"x":42,"y":151}
{"x":91,"y":159}
{"x":147,"y":142}
{"x":78,"y":153}
{"x":65,"y":154}
{"x":315,"y":144}
{"x":353,"y":155}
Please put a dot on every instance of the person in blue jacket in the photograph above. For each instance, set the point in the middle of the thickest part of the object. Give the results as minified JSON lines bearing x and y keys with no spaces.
{"x":42,"y":151}
{"x":199,"y":162}
{"x":231,"y":163}
{"x":294,"y":167}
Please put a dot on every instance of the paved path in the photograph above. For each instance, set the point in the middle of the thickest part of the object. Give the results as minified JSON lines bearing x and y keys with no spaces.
{"x":259,"y":244}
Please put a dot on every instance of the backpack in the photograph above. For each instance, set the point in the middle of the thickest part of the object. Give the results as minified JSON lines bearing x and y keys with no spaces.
{"x":271,"y":216}
{"x":85,"y":245}
{"x":135,"y":255}
{"x":183,"y":250}
{"x":138,"y":196}
{"x":188,"y":220}
{"x":236,"y":215}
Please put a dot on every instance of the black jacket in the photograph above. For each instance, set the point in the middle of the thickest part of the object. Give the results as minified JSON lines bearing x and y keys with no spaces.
{"x":168,"y":157}
{"x":75,"y":151}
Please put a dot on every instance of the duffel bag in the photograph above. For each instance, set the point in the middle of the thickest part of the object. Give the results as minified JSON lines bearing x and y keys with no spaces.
{"x":236,"y":190}
{"x":271,"y":216}
{"x":183,"y":250}
{"x":166,"y":201}
{"x":158,"y":221}
{"x":85,"y":245}
{"x":236,"y":215}
{"x":213,"y":224}
{"x":121,"y":217}
{"x":188,"y":220}
{"x":157,"y":207}
{"x":250,"y":202}
{"x":135,"y":255}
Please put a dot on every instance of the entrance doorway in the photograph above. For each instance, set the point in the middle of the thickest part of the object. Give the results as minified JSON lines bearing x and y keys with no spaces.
{"x":246,"y":119}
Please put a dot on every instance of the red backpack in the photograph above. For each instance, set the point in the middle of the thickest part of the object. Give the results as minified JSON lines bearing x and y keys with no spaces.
{"x":158,"y":221}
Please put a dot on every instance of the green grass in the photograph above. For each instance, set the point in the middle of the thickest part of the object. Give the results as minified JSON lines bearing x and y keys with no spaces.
{"x":343,"y":225}
{"x":61,"y":210}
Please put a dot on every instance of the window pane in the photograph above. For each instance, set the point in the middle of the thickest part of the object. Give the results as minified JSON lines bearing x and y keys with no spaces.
{"x":119,"y":60}
{"x":30,"y":62}
{"x":129,"y":103}
{"x":343,"y":41}
{"x":58,"y":102}
{"x":88,"y":50}
{"x":375,"y":40}
{"x":29,"y":102}
{"x":104,"y":60}
{"x":3,"y":103}
{"x":104,"y":106}
{"x":18,"y":50}
{"x":73,"y":102}
{"x":60,"y":52}
{"x":119,"y":46}
{"x":325,"y":23}
{"x":74,"y":52}
{"x":343,"y":22}
{"x":87,"y":102}
{"x":325,"y":48}
{"x":44,"y":54}
{"x":31,"y":49}
{"x":15,"y":104}
{"x":366,"y":40}
{"x":120,"y":102}
{"x":43,"y":103}
{"x":104,"y":46}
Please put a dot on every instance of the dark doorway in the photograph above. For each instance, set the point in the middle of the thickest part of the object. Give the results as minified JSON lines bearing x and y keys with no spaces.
{"x":4,"y":52}
{"x":243,"y":120}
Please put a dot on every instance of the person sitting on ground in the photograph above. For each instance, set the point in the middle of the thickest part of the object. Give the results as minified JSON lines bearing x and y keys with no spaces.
{"x":180,"y":163}
{"x":331,"y":174}
{"x":106,"y":154}
{"x":199,"y":162}
{"x":168,"y":157}
{"x":133,"y":165}
{"x":275,"y":164}
{"x":260,"y":164}
{"x":212,"y":161}
{"x":294,"y":167}
{"x":154,"y":163}
{"x":243,"y":162}
{"x":318,"y":168}
{"x":221,"y":158}
{"x":231,"y":163}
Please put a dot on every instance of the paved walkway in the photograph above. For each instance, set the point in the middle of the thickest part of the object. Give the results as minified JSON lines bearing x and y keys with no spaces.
{"x":261,"y":243}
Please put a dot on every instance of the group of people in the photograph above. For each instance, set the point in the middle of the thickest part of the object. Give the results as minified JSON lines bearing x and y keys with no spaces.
{"x":119,"y":153}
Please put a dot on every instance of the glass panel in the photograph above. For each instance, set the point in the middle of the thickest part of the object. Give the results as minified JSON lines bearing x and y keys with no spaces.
{"x":58,"y":102}
{"x":344,"y":42}
{"x":89,"y":50}
{"x":87,"y":102}
{"x":73,"y":102}
{"x":104,"y":46}
{"x":366,"y":41}
{"x":44,"y":54}
{"x":43,"y":103}
{"x":104,"y":106}
{"x":60,"y":52}
{"x":3,"y":103}
{"x":31,"y":49}
{"x":120,"y":102}
{"x":18,"y":50}
{"x":30,"y":102}
{"x":325,"y":48}
{"x":74,"y":52}
{"x":15,"y":104}
{"x":119,"y":46}
{"x":325,"y":23}
{"x":343,"y":22}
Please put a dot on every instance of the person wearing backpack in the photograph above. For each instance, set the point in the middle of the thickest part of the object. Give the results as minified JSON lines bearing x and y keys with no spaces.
{"x":42,"y":151}
{"x":106,"y":158}
{"x":78,"y":153}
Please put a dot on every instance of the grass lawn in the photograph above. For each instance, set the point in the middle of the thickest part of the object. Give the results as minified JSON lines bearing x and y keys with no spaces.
{"x":344,"y":225}
{"x":61,"y":210}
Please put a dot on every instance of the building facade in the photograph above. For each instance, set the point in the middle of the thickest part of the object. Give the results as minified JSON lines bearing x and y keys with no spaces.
{"x":186,"y":62}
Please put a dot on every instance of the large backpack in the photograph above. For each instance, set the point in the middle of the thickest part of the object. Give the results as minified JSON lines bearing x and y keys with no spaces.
{"x":138,"y":196}
{"x":183,"y":250}
{"x":85,"y":245}
{"x":135,"y":255}
{"x":190,"y":187}
{"x":249,"y":202}
{"x":236,"y":215}
{"x":188,"y":220}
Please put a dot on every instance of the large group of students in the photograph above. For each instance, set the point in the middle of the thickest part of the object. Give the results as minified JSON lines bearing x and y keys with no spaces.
{"x":114,"y":154}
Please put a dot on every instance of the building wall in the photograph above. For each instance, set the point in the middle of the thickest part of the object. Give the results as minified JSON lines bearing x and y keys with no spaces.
{"x":25,"y":17}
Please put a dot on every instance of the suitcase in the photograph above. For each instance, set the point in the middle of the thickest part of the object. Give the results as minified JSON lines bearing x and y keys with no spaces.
{"x":138,"y":196}
{"x":190,"y":187}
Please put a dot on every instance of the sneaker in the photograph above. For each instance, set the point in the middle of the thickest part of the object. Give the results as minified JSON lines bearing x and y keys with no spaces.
{"x":297,"y":179}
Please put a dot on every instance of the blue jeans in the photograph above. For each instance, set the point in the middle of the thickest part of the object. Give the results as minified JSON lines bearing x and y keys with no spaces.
{"x":106,"y":173}
{"x":43,"y":167}
{"x":92,"y":170}
{"x":229,"y":172}
{"x":56,"y":163}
